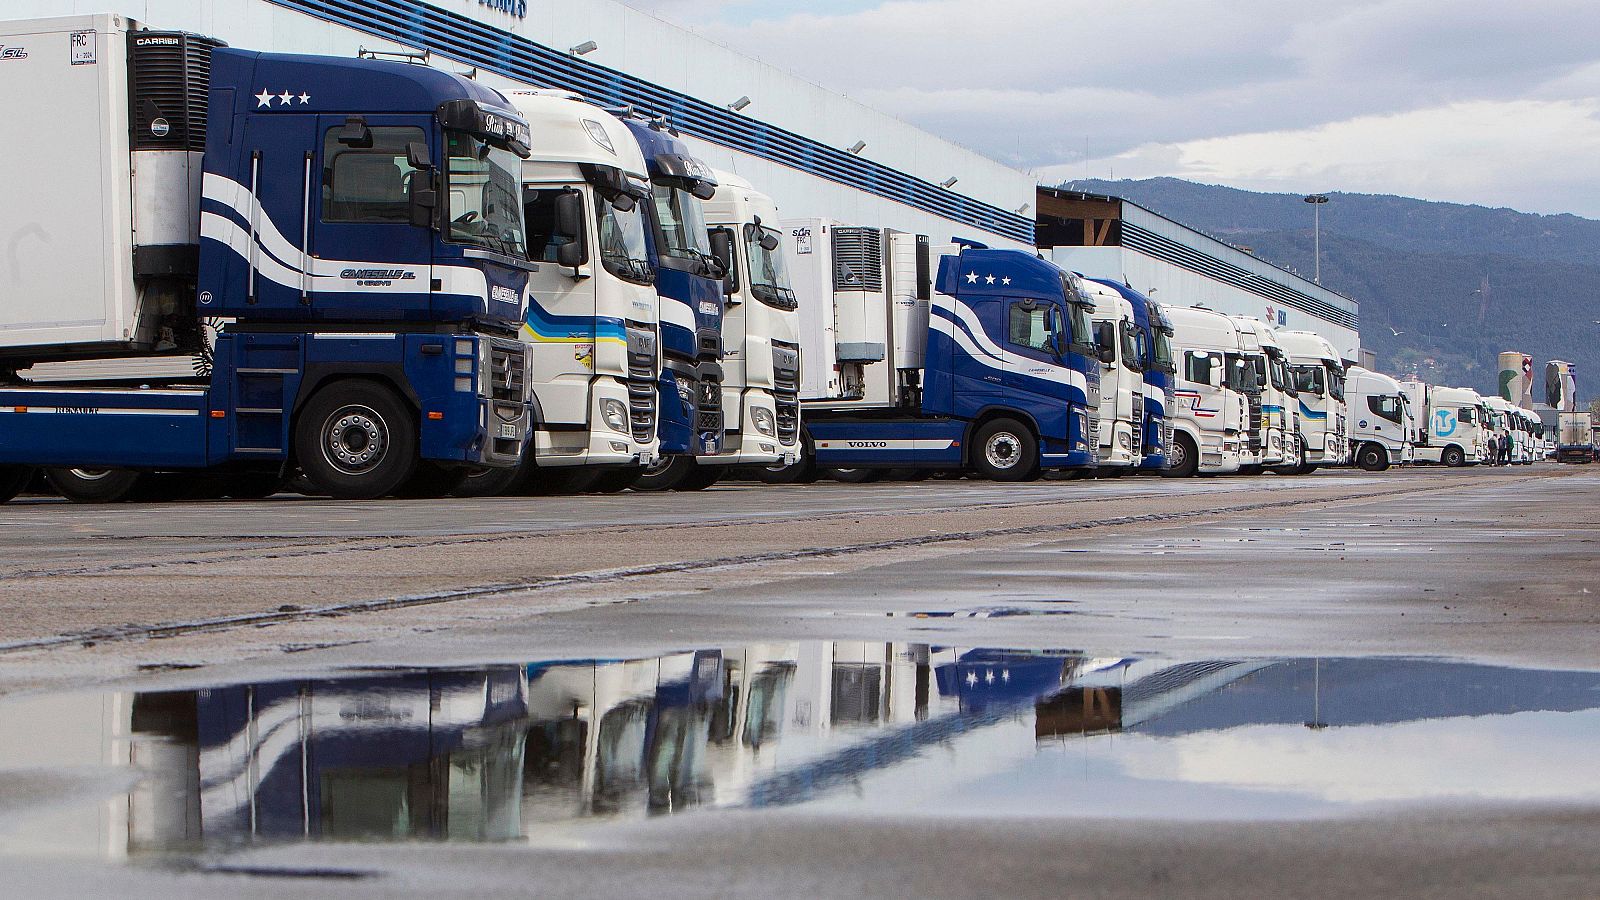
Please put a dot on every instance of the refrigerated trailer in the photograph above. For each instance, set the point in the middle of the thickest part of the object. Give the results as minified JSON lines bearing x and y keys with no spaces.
{"x":1575,"y":444}
{"x":354,"y":223}
{"x":939,"y":358}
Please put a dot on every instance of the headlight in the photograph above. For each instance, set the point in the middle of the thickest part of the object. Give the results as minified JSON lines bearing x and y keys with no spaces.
{"x":685,"y":394}
{"x":763,"y":419}
{"x":1123,"y":440}
{"x":615,"y":414}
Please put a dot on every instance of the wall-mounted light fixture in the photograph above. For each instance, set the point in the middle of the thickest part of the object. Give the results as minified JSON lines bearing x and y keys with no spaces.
{"x":584,"y":48}
{"x":857,"y":147}
{"x":739,"y":104}
{"x":949,"y":182}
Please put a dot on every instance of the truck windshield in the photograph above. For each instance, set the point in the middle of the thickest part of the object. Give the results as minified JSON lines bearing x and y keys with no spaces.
{"x":769,"y":272}
{"x":1335,"y":382}
{"x":1275,"y":372}
{"x":484,"y":187}
{"x":621,"y":238}
{"x":1082,"y":329}
{"x":680,"y":223}
{"x":1163,"y":352}
{"x":1307,"y":379}
{"x":1132,"y":345}
{"x":1242,"y":374}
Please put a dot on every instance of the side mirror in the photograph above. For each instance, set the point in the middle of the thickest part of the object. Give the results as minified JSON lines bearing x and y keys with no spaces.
{"x":1052,"y":328}
{"x":355,"y":133}
{"x":417,"y":156}
{"x":769,"y":241}
{"x":1105,"y":335}
{"x":722,"y":252}
{"x":573,"y":251}
{"x":424,"y":199}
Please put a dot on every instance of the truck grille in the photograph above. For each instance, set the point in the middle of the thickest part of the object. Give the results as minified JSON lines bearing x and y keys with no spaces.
{"x":1136,"y":421}
{"x":508,"y":372}
{"x":708,"y":417}
{"x":1254,"y":436}
{"x":786,"y":391}
{"x":641,"y":385}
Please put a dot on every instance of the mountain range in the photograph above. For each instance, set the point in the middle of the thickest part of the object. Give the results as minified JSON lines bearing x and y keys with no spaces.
{"x":1443,"y":287}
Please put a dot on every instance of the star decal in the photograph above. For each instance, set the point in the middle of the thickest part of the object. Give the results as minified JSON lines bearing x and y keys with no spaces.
{"x":285,"y":97}
{"x":1006,"y":280}
{"x":304,"y":98}
{"x":263,"y":99}
{"x":989,"y":280}
{"x":972,"y":278}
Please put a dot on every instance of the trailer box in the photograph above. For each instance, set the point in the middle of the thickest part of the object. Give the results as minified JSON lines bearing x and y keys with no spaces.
{"x":99,"y":208}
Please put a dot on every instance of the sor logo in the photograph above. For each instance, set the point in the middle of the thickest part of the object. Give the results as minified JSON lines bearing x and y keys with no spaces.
{"x":12,"y":52}
{"x":503,"y":295}
{"x":377,"y":277}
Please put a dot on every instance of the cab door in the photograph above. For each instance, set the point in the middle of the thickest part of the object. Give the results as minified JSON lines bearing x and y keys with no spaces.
{"x":1035,"y":379}
{"x":363,"y":251}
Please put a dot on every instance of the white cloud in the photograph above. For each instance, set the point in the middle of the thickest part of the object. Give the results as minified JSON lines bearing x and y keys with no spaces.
{"x":1539,"y":155}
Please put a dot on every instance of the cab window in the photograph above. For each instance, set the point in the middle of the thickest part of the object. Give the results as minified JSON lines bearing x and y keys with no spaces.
{"x":1027,"y":328}
{"x":1385,"y":405}
{"x":368,"y":184}
{"x":1197,"y":367}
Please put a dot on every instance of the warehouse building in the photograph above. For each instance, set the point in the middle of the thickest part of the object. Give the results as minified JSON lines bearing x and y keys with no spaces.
{"x":1109,"y":237}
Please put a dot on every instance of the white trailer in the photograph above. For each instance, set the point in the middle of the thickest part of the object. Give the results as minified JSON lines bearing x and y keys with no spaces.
{"x":1382,"y":433}
{"x":1216,"y":398}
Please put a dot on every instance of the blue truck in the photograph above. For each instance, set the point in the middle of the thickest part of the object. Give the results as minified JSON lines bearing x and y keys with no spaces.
{"x":350,"y":229}
{"x":1155,"y":336}
{"x":689,"y":279}
{"x":971,"y":359}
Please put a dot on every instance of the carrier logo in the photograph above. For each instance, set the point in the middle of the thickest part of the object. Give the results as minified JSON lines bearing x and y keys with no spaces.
{"x":12,"y":52}
{"x":377,"y":277}
{"x":156,"y":41}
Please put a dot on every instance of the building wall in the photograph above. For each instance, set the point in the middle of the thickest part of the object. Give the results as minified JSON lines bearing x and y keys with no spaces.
{"x":671,"y":57}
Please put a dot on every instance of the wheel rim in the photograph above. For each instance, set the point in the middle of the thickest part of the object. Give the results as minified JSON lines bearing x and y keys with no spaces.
{"x":90,"y":474}
{"x":1003,"y":450}
{"x":1177,"y":455}
{"x":355,"y":439}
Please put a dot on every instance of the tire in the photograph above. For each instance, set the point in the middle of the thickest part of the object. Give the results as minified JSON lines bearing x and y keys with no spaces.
{"x":1005,"y":450}
{"x":803,"y":472}
{"x":491,"y":482}
{"x":1183,"y":458}
{"x":666,"y":474}
{"x":1372,"y":458}
{"x":615,"y":481}
{"x":253,"y":485}
{"x":1252,"y":470}
{"x":1453,"y":456}
{"x":700,"y":478}
{"x":13,"y":480}
{"x":356,"y":440}
{"x":93,"y":485}
{"x":431,"y":481}
{"x":855,"y":476}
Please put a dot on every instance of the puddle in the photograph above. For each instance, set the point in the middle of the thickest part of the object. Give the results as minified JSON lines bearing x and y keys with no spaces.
{"x":513,"y":752}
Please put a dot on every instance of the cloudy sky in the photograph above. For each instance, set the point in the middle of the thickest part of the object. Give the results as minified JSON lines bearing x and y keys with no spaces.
{"x":1477,"y":101}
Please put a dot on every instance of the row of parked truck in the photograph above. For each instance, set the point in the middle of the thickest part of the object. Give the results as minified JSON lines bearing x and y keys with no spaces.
{"x":381,"y":278}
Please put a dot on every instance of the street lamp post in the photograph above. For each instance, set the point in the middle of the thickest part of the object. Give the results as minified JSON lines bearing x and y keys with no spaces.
{"x":1316,"y":201}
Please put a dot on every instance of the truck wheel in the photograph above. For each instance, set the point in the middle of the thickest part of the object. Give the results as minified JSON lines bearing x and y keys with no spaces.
{"x":1251,"y":470}
{"x":615,"y":481}
{"x":804,"y":471}
{"x":855,"y":476}
{"x":1005,"y":450}
{"x":93,"y":485}
{"x":700,"y":478}
{"x":1182,"y":457}
{"x":1453,"y":456}
{"x":666,"y":474}
{"x":1372,"y":458}
{"x":13,"y":479}
{"x":356,"y":440}
{"x":493,"y":482}
{"x":431,"y":481}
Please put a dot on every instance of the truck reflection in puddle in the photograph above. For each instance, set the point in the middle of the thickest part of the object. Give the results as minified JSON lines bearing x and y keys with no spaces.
{"x":503,"y":752}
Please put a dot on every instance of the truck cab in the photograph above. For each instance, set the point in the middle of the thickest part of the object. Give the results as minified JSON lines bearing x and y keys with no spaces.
{"x":1451,"y":424}
{"x":1280,"y":402}
{"x":590,"y":320}
{"x":760,"y":329}
{"x":1319,"y":380}
{"x":1216,"y":396}
{"x":355,"y":224}
{"x":1120,"y":350}
{"x":1383,"y":433}
{"x":1159,"y":368}
{"x":689,"y":283}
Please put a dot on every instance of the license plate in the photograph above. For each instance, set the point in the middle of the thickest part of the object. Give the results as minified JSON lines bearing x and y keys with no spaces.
{"x":508,"y":431}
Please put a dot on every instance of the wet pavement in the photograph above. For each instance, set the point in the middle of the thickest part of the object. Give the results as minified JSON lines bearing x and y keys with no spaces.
{"x":521,"y":753}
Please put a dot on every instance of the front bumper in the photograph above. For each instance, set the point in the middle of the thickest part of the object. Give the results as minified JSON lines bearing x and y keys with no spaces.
{"x":599,"y":444}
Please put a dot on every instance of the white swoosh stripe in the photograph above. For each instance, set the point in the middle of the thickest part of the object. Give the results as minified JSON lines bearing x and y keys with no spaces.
{"x":1019,"y":363}
{"x":676,"y":312}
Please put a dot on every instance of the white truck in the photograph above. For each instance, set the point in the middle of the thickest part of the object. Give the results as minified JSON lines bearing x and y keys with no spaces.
{"x":1383,"y":431}
{"x":1216,"y":398}
{"x":1319,"y":379}
{"x":1280,"y":413}
{"x":1120,"y":417}
{"x":760,"y":330}
{"x":1450,"y":421}
{"x":592,"y":323}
